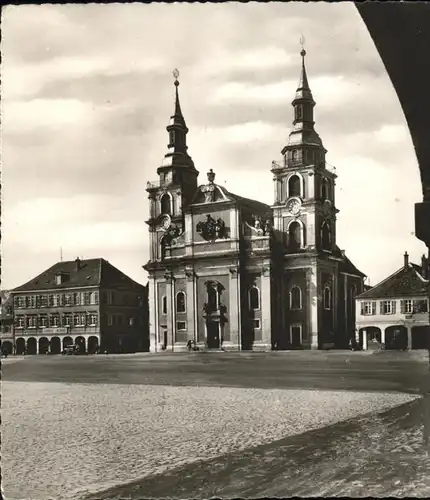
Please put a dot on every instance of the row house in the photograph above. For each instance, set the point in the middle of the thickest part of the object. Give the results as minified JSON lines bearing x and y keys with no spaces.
{"x":89,"y":303}
{"x":395,"y":312}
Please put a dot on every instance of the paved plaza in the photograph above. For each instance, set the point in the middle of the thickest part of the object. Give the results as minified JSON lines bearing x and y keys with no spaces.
{"x":117,"y":424}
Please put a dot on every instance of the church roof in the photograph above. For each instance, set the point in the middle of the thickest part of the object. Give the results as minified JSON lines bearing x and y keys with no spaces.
{"x":406,"y":282}
{"x":219,"y":193}
{"x":257,"y":205}
{"x":346,"y":266}
{"x":79,"y":273}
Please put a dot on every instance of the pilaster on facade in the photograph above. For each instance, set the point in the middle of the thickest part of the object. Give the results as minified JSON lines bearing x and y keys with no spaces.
{"x":170,"y":293}
{"x":234,"y":310}
{"x":191,"y":304}
{"x":153,"y":315}
{"x":266,"y":305}
{"x":409,"y":334}
{"x":314,"y":301}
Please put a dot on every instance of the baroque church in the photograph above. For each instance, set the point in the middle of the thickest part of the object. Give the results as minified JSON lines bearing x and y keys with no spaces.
{"x":232,"y":273}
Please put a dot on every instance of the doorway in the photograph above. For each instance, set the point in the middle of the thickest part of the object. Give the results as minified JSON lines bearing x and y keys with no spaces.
{"x":213,"y":340}
{"x":296,"y":337}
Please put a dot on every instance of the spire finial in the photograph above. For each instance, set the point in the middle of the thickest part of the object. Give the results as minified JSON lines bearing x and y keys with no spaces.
{"x":302,"y":43}
{"x":176,"y":76}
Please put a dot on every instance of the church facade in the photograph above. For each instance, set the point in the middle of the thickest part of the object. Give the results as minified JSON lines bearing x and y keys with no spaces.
{"x":234,"y":273}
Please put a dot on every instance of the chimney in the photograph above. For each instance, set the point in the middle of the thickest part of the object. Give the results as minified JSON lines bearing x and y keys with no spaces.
{"x":78,"y":263}
{"x":406,"y":257}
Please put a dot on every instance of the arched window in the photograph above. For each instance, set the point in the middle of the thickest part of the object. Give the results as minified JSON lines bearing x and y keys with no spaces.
{"x":294,"y":188}
{"x":164,"y":305}
{"x":294,"y":154}
{"x":327,"y":298}
{"x":299,"y":112}
{"x":294,"y":236}
{"x":325,"y":189}
{"x":166,"y":204}
{"x":326,"y":237}
{"x":254,"y":298}
{"x":295,"y":298}
{"x":180,"y":302}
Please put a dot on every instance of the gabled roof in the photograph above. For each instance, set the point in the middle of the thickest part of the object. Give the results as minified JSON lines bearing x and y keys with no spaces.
{"x":406,"y":282}
{"x":89,"y":272}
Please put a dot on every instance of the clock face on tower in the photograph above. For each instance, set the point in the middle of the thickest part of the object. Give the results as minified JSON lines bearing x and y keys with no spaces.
{"x":164,"y":222}
{"x":293,"y":206}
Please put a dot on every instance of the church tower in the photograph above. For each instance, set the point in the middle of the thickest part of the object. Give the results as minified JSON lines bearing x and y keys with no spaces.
{"x":176,"y":184}
{"x":304,"y":205}
{"x":304,"y":217}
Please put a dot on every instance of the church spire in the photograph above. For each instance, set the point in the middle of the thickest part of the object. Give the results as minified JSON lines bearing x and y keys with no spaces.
{"x":178,"y":118}
{"x":303,"y":90}
{"x":303,"y":140}
{"x":177,"y":147}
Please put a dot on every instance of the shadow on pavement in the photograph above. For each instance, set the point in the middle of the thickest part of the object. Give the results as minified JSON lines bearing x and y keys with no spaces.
{"x":371,"y":455}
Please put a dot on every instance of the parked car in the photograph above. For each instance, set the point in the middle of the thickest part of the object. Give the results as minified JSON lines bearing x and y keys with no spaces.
{"x":70,"y":350}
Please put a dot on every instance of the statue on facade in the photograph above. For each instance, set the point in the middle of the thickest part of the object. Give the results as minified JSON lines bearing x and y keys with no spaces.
{"x":267,"y":228}
{"x":209,"y":193}
{"x":171,"y":234}
{"x":209,"y":189}
{"x":211,"y":229}
{"x":258,"y":226}
{"x":220,"y":228}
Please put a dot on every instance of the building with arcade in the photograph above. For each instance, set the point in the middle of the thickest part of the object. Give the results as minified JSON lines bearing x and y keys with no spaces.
{"x":88,"y":303}
{"x":234,"y":273}
{"x":395,"y":311}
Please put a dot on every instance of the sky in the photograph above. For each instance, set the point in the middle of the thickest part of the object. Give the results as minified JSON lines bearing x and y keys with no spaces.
{"x":87,"y":91}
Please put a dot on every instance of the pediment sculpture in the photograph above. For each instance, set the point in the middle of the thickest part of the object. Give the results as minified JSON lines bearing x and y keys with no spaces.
{"x":212,"y":229}
{"x":209,"y":193}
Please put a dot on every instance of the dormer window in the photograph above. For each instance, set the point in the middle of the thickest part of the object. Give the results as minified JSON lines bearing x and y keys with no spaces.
{"x":60,"y":278}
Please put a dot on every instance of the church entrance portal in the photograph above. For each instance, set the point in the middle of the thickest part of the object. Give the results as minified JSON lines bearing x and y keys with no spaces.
{"x":213,"y":339}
